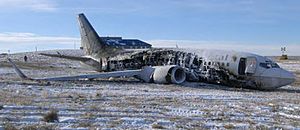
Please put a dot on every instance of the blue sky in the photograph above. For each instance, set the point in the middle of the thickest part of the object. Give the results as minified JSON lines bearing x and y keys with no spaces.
{"x":259,"y":26}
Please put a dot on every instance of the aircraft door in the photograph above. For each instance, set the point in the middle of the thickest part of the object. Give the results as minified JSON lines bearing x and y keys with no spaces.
{"x":242,"y":66}
{"x":251,"y":64}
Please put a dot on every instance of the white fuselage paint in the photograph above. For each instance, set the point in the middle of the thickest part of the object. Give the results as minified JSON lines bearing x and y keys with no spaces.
{"x":271,"y":77}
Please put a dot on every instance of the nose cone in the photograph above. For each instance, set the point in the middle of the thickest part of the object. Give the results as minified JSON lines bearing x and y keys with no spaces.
{"x":287,"y":77}
{"x":276,"y":77}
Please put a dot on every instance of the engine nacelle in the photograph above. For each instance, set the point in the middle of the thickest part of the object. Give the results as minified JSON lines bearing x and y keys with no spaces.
{"x":169,"y":74}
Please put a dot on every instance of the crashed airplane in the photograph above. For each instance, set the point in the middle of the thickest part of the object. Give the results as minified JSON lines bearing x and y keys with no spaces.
{"x":231,"y":68}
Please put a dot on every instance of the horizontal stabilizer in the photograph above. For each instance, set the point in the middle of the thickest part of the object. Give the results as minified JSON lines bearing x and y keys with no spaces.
{"x":76,"y":58}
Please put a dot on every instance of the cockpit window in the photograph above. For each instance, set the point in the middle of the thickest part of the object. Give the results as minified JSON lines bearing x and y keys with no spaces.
{"x":269,"y":65}
{"x":275,"y":65}
{"x":265,"y":65}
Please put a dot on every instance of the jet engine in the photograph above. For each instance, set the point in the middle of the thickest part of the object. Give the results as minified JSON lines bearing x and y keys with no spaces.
{"x":169,"y":74}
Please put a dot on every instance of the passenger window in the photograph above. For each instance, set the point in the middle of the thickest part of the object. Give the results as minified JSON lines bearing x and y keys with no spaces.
{"x":195,"y":61}
{"x":226,"y":57}
{"x":227,"y":64}
{"x":200,"y":62}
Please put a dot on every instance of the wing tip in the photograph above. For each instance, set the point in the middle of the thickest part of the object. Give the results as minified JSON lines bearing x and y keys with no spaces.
{"x":18,"y":71}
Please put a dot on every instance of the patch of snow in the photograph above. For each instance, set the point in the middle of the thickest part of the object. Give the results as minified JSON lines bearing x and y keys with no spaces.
{"x":289,"y":108}
{"x":21,"y":107}
{"x":67,"y":119}
{"x":31,"y":118}
{"x":135,"y":121}
{"x":71,"y":128}
{"x":289,"y":116}
{"x":102,"y":119}
{"x":164,"y":122}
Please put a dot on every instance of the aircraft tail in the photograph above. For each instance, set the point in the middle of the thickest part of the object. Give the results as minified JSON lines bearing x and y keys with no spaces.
{"x":90,"y":41}
{"x":92,"y":44}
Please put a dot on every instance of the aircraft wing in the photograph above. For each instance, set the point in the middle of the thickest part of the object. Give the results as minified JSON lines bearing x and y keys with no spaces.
{"x":143,"y":74}
{"x":77,"y":58}
{"x":128,"y":73}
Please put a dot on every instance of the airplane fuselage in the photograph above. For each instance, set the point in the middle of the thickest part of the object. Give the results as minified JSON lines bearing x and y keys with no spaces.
{"x":231,"y":68}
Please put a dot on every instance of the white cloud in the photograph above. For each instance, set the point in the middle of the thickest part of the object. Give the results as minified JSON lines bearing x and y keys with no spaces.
{"x":261,"y":49}
{"x":33,"y":38}
{"x":35,"y":5}
{"x":20,"y":42}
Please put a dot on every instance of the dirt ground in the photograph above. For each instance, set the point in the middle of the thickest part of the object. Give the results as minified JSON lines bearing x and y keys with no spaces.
{"x":130,"y":104}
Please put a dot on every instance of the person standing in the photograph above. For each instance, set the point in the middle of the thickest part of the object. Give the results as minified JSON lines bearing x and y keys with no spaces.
{"x":25,"y":58}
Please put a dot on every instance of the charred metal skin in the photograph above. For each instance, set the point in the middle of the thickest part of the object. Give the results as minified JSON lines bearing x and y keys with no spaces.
{"x":191,"y":64}
{"x":235,"y":69}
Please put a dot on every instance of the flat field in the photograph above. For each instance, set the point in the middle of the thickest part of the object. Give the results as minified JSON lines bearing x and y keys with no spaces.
{"x":126,"y":103}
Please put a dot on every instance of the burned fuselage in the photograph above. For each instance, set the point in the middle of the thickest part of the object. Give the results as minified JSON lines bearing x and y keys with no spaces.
{"x":197,"y":67}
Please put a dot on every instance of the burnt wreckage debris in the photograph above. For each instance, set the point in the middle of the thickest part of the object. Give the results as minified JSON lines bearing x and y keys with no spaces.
{"x":196,"y":68}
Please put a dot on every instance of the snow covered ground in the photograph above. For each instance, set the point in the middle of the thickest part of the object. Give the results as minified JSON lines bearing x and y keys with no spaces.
{"x":129,"y":103}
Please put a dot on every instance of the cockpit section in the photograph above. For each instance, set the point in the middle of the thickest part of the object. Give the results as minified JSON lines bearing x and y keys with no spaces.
{"x":268,"y":65}
{"x":248,"y":65}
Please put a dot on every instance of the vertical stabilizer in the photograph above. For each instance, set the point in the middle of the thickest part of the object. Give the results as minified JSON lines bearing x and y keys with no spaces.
{"x":92,"y":44}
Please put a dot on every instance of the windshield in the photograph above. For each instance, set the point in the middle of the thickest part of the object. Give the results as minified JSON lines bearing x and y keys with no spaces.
{"x":268,"y":65}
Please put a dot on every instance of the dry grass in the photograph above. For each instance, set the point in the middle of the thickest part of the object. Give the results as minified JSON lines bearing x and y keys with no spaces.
{"x":229,"y":126}
{"x":262,"y":127}
{"x":29,"y":65}
{"x":13,"y":98}
{"x":297,"y":82}
{"x":51,"y":116}
{"x":115,"y":123}
{"x":38,"y":127}
{"x":89,"y":115}
{"x":85,"y":124}
{"x":8,"y":126}
{"x":157,"y":126}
